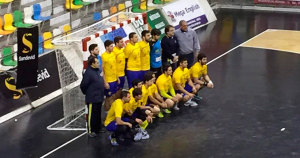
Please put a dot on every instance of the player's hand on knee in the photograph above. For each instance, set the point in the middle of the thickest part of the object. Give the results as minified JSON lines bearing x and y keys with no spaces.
{"x":149,"y":119}
{"x":210,"y":84}
{"x":139,"y":121}
{"x":191,"y":95}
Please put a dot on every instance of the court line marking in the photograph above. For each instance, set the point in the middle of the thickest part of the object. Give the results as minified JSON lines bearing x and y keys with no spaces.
{"x":281,"y":50}
{"x":236,"y":47}
{"x":61,"y":146}
{"x":268,"y":48}
{"x":70,"y":141}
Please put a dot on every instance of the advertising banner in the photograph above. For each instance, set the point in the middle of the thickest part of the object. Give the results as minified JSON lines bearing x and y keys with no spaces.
{"x":279,"y":2}
{"x":138,"y":26}
{"x":27,"y":57}
{"x":48,"y":78}
{"x":156,"y":20}
{"x":111,"y":35}
{"x":188,"y":10}
{"x":11,"y":98}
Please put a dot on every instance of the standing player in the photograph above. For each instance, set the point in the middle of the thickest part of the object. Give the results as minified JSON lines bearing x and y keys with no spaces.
{"x":183,"y":83}
{"x":120,"y":62}
{"x":145,"y":53}
{"x":155,"y":52}
{"x":165,"y":86}
{"x":133,"y":56}
{"x":110,"y":73}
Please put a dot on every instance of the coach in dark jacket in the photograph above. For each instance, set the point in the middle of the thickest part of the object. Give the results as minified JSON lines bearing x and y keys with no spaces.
{"x":92,"y":85}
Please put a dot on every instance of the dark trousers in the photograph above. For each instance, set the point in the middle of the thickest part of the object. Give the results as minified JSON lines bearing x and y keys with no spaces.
{"x":190,"y":59}
{"x":94,"y":117}
{"x":156,"y":71}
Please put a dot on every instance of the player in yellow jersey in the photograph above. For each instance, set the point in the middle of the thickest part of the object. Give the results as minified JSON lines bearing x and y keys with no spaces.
{"x":115,"y":122}
{"x":141,"y":114}
{"x":148,"y":81}
{"x":183,"y":83}
{"x":120,"y":62}
{"x":155,"y":98}
{"x":137,"y":83}
{"x":199,"y":72}
{"x":110,"y":73}
{"x":165,"y":86}
{"x":145,"y":52}
{"x":132,"y":53}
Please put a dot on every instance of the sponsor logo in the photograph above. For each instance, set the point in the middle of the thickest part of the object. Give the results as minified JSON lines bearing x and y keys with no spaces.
{"x":154,"y":16}
{"x":171,"y":15}
{"x":27,"y":48}
{"x":10,"y":85}
{"x":190,"y":9}
{"x":44,"y":74}
{"x":26,"y":43}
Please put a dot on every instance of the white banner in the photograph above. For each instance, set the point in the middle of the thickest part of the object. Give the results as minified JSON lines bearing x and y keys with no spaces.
{"x":188,"y":10}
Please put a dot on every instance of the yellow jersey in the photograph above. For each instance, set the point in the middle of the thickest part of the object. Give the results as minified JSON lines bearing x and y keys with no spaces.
{"x":132,"y":105}
{"x":164,"y":83}
{"x":145,"y":95}
{"x":152,"y":90}
{"x":120,"y":61}
{"x":115,"y":111}
{"x":145,"y":55}
{"x":133,"y":54}
{"x":180,"y":76}
{"x":198,"y":70}
{"x":109,"y":67}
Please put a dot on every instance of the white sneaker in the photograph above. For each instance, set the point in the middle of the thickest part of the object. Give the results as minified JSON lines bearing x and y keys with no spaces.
{"x":176,"y":107}
{"x":145,"y":135}
{"x":193,"y":104}
{"x":138,"y":136}
{"x":187,"y":103}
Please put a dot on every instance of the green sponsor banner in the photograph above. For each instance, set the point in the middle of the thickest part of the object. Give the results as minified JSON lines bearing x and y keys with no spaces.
{"x":156,"y":20}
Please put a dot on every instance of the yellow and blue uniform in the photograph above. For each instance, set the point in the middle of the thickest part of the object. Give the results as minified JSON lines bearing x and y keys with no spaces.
{"x":110,"y":72}
{"x":165,"y":86}
{"x":198,"y":70}
{"x":132,"y":105}
{"x":181,"y":76}
{"x":115,"y":111}
{"x":145,"y":57}
{"x":120,"y":65}
{"x":133,"y":69}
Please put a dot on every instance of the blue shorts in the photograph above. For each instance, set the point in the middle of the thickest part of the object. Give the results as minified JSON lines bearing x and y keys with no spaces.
{"x":122,"y":82}
{"x":113,"y":88}
{"x":112,"y":126}
{"x":187,"y":88}
{"x":132,"y":75}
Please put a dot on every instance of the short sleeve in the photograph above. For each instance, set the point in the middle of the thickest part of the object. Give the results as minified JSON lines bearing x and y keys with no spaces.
{"x":118,"y":110}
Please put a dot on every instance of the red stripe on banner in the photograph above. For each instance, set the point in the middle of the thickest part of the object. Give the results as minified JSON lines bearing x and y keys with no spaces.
{"x":84,"y":43}
{"x":279,"y":2}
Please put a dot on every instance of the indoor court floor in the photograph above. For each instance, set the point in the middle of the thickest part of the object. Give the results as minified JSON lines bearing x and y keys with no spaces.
{"x":253,"y":111}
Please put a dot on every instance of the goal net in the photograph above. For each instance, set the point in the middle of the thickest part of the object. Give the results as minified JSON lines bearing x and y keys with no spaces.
{"x":74,"y":54}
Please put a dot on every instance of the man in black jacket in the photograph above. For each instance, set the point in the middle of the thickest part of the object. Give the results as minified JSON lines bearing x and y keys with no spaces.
{"x":92,"y":85}
{"x":170,"y":47}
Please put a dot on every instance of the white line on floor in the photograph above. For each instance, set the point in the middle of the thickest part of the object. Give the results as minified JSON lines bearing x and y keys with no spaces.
{"x":234,"y":48}
{"x":68,"y":142}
